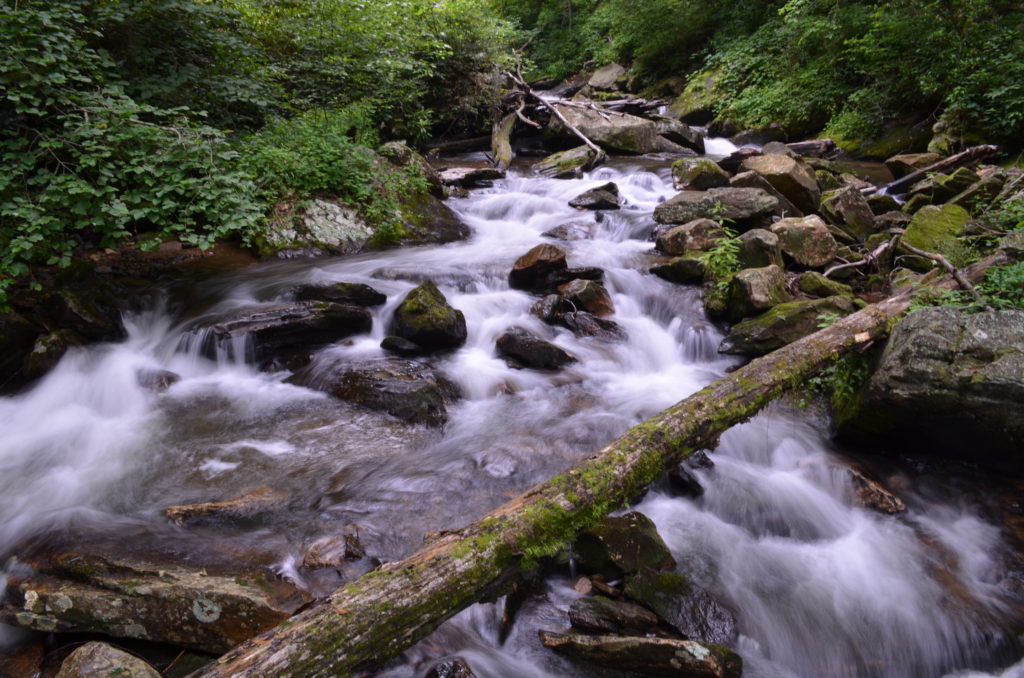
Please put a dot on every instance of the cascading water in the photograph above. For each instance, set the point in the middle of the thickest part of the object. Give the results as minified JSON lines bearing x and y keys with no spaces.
{"x":820,"y":587}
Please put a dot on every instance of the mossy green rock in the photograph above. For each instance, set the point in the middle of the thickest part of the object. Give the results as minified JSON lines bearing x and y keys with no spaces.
{"x":753,"y":290}
{"x":942,"y":187}
{"x":747,"y":207}
{"x":689,"y":609}
{"x":847,"y":208}
{"x":817,"y":285}
{"x":980,"y":194}
{"x":698,"y":174}
{"x":782,"y":325}
{"x":696,"y":105}
{"x":569,"y":164}
{"x":932,"y":226}
{"x":900,"y":138}
{"x":425,"y":318}
{"x":623,"y":544}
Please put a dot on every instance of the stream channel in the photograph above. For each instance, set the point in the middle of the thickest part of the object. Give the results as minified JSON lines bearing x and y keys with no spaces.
{"x":819,"y":586}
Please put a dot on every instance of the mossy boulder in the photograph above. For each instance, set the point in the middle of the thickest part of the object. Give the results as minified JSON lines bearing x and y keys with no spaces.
{"x":688,"y":269}
{"x":817,"y":285}
{"x":350,"y":293}
{"x":905,"y":137}
{"x":698,"y":174}
{"x":746,"y":207}
{"x":807,"y":242}
{"x":880,"y":203}
{"x":753,"y":290}
{"x":847,"y":208}
{"x":698,"y":100}
{"x":792,"y":178}
{"x":980,"y":194}
{"x":783,"y":324}
{"x":687,"y":608}
{"x":569,"y":164}
{"x":941,"y":187}
{"x":758,"y":248}
{"x":907,"y":163}
{"x":622,"y":545}
{"x":424,"y":317}
{"x":699,"y":235}
{"x":933,"y":226}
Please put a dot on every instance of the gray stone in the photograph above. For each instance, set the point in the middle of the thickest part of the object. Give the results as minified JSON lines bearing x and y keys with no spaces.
{"x":756,"y":289}
{"x":699,"y":235}
{"x":806,"y":241}
{"x":698,"y":174}
{"x":679,"y":133}
{"x":792,"y":178}
{"x":847,"y":208}
{"x":758,"y":248}
{"x":747,"y":207}
{"x":329,"y":227}
{"x":614,"y":132}
{"x":95,"y":659}
{"x":470,"y":177}
{"x":902,"y":165}
{"x":687,"y":608}
{"x":607,"y":77}
{"x":579,"y":229}
{"x":604,"y":197}
{"x":755,"y":180}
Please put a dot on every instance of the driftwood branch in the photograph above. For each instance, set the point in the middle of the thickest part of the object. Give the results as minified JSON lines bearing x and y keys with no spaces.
{"x":973,"y":154}
{"x":518,"y":80}
{"x":381,"y":614}
{"x":964,"y":284}
{"x":870,"y":258}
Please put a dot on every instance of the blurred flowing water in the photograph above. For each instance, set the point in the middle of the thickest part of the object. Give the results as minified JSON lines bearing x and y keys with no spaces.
{"x":820,"y":587}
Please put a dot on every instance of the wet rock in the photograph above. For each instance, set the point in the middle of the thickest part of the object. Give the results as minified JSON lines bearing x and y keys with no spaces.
{"x":688,"y":269}
{"x":806,"y":241}
{"x":456,"y":667}
{"x":569,"y":164}
{"x":731,"y":163}
{"x":428,"y":221}
{"x":758,"y":248}
{"x":604,"y":197}
{"x":17,"y":337}
{"x":470,"y":177}
{"x":401,"y":347}
{"x":247,"y":506}
{"x":530,"y":350}
{"x":24,"y":661}
{"x":679,"y":132}
{"x":698,"y":174}
{"x":157,"y":380}
{"x":682,"y":483}
{"x":548,"y":308}
{"x":687,"y":608}
{"x":659,"y":657}
{"x":782,"y":325}
{"x":902,"y":165}
{"x":817,"y":285}
{"x":425,"y":318}
{"x":790,"y":177}
{"x":756,"y":289}
{"x":932,"y":226}
{"x":576,"y":273}
{"x":588,"y":296}
{"x":532,"y":270}
{"x":350,"y":294}
{"x":614,"y":132}
{"x":405,"y":389}
{"x":813,"y":148}
{"x":623,"y":544}
{"x":949,"y":383}
{"x":848,"y":209}
{"x":696,"y":236}
{"x":47,"y":352}
{"x":755,"y":180}
{"x":133,"y":599}
{"x":747,"y":207}
{"x":584,"y":324}
{"x":96,"y":659}
{"x":334,"y":551}
{"x":871,"y":494}
{"x":600,"y":614}
{"x":572,"y":230}
{"x":290,"y":328}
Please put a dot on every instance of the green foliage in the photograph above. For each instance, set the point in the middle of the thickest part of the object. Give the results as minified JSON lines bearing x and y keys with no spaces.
{"x":723,"y":260}
{"x":840,"y":382}
{"x":1003,"y":286}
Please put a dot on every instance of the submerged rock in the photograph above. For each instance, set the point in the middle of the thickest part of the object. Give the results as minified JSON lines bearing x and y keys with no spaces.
{"x":600,"y":614}
{"x":604,"y":197}
{"x":425,"y":318}
{"x":530,"y":350}
{"x":658,"y":657}
{"x":348,"y":293}
{"x":585,"y":324}
{"x":623,"y":544}
{"x":96,"y":659}
{"x":456,"y":667}
{"x":687,"y":608}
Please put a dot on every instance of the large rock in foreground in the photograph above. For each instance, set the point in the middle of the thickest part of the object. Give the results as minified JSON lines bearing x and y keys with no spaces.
{"x":425,"y":318}
{"x":951,"y":383}
{"x":747,"y":207}
{"x":659,"y":657}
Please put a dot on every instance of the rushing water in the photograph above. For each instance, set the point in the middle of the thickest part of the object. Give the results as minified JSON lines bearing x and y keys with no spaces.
{"x":820,"y":587}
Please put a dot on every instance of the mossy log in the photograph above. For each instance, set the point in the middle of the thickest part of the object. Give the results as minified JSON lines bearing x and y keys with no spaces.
{"x":381,"y":614}
{"x":501,"y":144}
{"x":970,"y":155}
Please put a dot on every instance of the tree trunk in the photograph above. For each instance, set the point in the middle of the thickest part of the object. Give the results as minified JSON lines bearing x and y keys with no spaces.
{"x":973,"y":154}
{"x":501,"y":142}
{"x":381,"y":614}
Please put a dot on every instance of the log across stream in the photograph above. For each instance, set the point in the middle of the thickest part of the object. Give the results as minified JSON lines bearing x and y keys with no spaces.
{"x":819,"y":586}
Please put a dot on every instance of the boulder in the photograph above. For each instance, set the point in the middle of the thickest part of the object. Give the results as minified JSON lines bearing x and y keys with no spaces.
{"x":847,"y":208}
{"x":696,"y":104}
{"x":399,"y":154}
{"x":584,"y":324}
{"x":779,"y":148}
{"x":790,"y":177}
{"x":814,"y":148}
{"x":658,"y":657}
{"x":933,"y":226}
{"x":781,"y":325}
{"x":604,"y":197}
{"x":949,"y":383}
{"x":817,"y":285}
{"x":753,"y":290}
{"x":880,"y":203}
{"x":732,"y":162}
{"x":687,"y":608}
{"x":289,"y":329}
{"x":679,"y":133}
{"x":759,"y":248}
{"x":746,"y":207}
{"x":622,"y":545}
{"x":979,"y":195}
{"x":163,"y":603}
{"x":698,"y":174}
{"x":939,"y":188}
{"x":826,"y":180}
{"x":589,"y":296}
{"x":244,"y":507}
{"x":529,"y":350}
{"x":401,"y":347}
{"x":321,"y":227}
{"x":916,"y":202}
{"x":755,"y":180}
{"x":608,"y":77}
{"x":579,"y":229}
{"x":348,"y":293}
{"x":570,"y":164}
{"x":533,"y":270}
{"x":456,"y":667}
{"x":470,"y":177}
{"x":603,"y":615}
{"x":425,"y":220}
{"x":907,"y":163}
{"x":806,"y":241}
{"x":424,"y":317}
{"x":403,"y":388}
{"x":96,"y":659}
{"x":699,"y":235}
{"x":613,"y":131}
{"x":688,"y":269}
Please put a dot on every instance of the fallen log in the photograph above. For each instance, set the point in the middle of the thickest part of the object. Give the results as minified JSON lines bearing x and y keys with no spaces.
{"x":518,"y":80}
{"x":384,"y":612}
{"x":501,"y":142}
{"x":973,"y":154}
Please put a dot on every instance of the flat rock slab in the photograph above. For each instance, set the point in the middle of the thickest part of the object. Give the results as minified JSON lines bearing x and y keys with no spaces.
{"x":747,"y":207}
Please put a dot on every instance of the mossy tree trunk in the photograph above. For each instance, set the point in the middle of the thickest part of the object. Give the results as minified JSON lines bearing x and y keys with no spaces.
{"x":381,"y":614}
{"x":501,"y":141}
